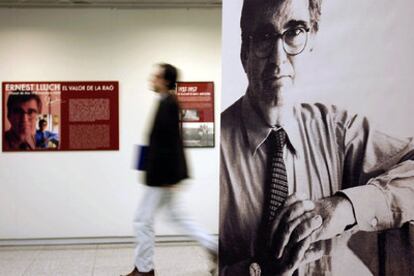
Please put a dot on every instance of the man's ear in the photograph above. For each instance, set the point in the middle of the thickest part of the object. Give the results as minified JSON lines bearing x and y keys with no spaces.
{"x":166,"y":83}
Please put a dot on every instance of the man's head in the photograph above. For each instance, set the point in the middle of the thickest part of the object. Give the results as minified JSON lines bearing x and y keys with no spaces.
{"x":22,"y":110}
{"x":164,"y":78}
{"x":275,"y":35}
{"x":42,"y":124}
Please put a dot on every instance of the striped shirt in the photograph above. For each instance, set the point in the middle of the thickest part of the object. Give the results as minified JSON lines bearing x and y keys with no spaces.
{"x":328,"y":150}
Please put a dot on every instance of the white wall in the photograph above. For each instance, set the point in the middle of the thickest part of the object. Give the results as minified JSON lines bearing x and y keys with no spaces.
{"x":94,"y":194}
{"x":362,"y":60}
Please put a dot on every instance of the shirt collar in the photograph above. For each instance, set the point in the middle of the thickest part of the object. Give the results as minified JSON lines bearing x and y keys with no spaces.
{"x":14,"y":141}
{"x":163,"y":96}
{"x":257,"y":130}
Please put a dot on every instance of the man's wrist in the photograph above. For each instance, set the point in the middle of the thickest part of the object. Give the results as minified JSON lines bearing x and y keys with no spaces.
{"x":347,"y":210}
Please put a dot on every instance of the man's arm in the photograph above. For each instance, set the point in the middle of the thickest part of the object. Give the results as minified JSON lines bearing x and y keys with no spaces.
{"x":378,"y":186}
{"x":52,"y":136}
{"x":387,"y":201}
{"x":378,"y":176}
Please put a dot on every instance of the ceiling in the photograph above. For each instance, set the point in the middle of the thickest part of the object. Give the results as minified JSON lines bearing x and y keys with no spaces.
{"x":122,"y":4}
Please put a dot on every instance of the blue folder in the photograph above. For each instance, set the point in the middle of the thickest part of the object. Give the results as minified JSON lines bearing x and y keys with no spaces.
{"x":142,"y":158}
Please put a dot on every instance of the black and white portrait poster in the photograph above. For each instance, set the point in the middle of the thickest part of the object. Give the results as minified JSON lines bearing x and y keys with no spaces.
{"x":316,"y":167}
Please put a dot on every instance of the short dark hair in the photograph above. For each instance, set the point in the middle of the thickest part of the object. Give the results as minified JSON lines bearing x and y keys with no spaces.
{"x":41,"y":122}
{"x":19,"y":97}
{"x":249,"y":5}
{"x":170,"y":74}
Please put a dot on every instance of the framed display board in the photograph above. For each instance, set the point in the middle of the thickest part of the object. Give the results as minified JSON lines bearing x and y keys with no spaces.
{"x":60,"y":116}
{"x":197,"y":113}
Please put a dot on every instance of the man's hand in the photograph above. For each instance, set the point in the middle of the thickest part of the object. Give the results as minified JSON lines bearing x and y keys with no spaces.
{"x":303,"y":222}
{"x":294,"y":256}
{"x":297,"y":211}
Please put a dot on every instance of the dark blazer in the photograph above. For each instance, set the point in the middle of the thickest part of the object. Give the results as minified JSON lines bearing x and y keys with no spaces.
{"x":166,"y":161}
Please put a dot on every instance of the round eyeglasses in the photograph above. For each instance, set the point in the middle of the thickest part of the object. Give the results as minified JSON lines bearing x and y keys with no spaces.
{"x":294,"y":41}
{"x":31,"y":113}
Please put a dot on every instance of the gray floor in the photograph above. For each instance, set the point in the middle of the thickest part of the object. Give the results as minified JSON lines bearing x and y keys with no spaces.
{"x":179,"y":259}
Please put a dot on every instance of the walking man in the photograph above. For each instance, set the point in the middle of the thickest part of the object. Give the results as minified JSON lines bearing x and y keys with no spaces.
{"x":166,"y":167}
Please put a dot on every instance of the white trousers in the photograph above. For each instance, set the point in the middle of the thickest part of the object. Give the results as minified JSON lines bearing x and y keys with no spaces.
{"x":153,"y":200}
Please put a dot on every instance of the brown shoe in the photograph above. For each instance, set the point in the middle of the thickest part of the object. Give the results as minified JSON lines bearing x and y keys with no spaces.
{"x":136,"y":272}
{"x":213,"y":257}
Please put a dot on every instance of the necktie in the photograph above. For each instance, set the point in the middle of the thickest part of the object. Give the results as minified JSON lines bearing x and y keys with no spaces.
{"x":277,"y":186}
{"x":276,"y":191}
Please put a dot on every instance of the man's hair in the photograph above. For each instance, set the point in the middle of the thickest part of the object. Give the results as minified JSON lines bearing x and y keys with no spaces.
{"x":170,"y":74}
{"x":17,"y":98}
{"x":249,"y":6}
{"x":41,"y":122}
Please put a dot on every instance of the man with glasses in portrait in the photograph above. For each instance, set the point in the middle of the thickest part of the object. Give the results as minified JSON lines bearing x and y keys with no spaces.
{"x":298,"y":180}
{"x":22,"y":110}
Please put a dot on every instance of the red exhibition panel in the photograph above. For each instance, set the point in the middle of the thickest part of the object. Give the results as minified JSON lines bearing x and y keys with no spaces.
{"x":197,"y":113}
{"x":78,"y":115}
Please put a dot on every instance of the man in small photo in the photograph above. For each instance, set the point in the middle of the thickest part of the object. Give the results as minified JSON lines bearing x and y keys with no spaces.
{"x":22,"y":111}
{"x":44,"y":138}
